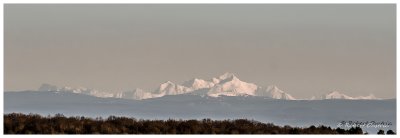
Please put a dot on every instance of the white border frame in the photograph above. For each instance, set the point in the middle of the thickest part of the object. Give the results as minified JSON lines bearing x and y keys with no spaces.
{"x":190,"y":2}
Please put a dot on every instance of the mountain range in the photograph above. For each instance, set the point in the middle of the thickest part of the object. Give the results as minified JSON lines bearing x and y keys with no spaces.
{"x":222,"y":97}
{"x":227,"y":84}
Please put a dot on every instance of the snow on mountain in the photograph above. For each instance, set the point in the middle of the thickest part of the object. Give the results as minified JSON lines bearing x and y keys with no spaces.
{"x":274,"y":92}
{"x":167,"y":88}
{"x":224,"y":76}
{"x":80,"y":90}
{"x":369,"y":97}
{"x":195,"y":84}
{"x":336,"y":95}
{"x":225,"y":85}
{"x":137,"y":94}
{"x":215,"y":80}
{"x":170,"y":88}
{"x":230,"y":85}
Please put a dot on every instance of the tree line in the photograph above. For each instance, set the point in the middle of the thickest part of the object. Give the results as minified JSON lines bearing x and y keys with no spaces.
{"x":17,"y":123}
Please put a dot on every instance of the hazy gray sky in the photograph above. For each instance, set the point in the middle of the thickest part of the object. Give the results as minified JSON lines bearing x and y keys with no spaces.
{"x":303,"y":49}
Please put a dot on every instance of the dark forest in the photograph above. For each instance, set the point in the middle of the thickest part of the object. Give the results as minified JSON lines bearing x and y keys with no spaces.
{"x":17,"y":123}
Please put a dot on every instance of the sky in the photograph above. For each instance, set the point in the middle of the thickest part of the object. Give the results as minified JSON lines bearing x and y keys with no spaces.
{"x":304,"y":49}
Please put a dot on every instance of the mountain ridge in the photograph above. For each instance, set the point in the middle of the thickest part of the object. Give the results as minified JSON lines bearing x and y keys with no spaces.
{"x":227,"y":84}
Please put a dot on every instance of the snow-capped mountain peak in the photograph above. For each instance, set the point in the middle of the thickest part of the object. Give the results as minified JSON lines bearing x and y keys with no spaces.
{"x":230,"y":85}
{"x":369,"y":97}
{"x":215,"y":80}
{"x":224,"y":77}
{"x":274,"y":89}
{"x":196,"y":84}
{"x":227,"y":75}
{"x":227,"y":84}
{"x":336,"y":95}
{"x":339,"y":95}
{"x":274,"y":92}
{"x":166,"y":84}
{"x":170,"y":88}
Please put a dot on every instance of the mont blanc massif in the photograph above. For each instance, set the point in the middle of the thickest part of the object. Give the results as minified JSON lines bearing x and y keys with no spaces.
{"x":223,"y":97}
